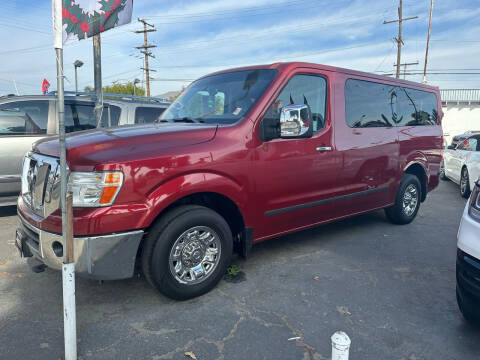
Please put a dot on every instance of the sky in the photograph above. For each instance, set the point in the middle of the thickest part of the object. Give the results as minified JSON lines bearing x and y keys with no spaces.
{"x":197,"y":37}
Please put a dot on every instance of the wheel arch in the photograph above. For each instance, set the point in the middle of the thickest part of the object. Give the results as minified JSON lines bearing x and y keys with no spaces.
{"x":418,"y":169}
{"x":210,"y":190}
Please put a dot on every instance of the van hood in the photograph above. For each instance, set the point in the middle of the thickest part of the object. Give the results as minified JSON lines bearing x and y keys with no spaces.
{"x":125,"y":143}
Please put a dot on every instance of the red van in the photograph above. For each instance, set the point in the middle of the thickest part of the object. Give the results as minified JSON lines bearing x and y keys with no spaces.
{"x":241,"y":156}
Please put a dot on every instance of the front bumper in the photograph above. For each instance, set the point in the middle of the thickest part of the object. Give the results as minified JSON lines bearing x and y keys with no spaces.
{"x":103,"y":257}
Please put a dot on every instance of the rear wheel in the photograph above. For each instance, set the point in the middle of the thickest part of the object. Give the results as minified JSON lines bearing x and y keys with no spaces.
{"x":187,"y":252}
{"x":407,"y":201}
{"x":442,"y":171}
{"x":465,"y":183}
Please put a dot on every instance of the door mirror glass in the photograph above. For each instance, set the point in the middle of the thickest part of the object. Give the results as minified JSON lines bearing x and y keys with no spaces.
{"x":451,"y":147}
{"x":296,"y":121}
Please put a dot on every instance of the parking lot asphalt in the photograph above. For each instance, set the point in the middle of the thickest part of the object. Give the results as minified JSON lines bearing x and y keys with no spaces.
{"x":390,"y":288}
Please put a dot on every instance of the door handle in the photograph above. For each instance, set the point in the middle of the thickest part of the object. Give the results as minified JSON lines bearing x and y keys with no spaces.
{"x":324,"y":148}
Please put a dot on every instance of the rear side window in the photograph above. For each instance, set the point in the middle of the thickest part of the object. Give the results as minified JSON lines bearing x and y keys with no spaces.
{"x":147,"y":115}
{"x":369,"y":104}
{"x":416,"y":107}
{"x":24,"y":118}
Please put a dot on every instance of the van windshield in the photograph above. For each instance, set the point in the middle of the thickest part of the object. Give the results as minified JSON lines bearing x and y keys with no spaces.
{"x":220,"y":99}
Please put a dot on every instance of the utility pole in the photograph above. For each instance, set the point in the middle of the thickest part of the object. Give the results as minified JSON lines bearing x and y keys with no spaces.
{"x":399,"y":40}
{"x":428,"y":42}
{"x":405,"y":68}
{"x":144,"y":49}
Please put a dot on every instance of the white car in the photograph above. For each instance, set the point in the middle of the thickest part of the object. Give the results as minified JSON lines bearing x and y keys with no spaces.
{"x":462,"y":164}
{"x":468,"y":259}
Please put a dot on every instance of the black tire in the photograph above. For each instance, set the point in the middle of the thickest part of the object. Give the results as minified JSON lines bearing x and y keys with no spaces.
{"x":398,"y":213}
{"x":442,"y":172}
{"x":464,"y":183}
{"x":471,"y":317}
{"x":164,"y":234}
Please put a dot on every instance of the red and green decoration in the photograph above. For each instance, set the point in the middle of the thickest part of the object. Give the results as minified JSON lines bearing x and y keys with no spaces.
{"x":84,"y":24}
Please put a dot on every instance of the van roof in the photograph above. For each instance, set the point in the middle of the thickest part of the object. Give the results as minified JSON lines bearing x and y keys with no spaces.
{"x":287,"y":66}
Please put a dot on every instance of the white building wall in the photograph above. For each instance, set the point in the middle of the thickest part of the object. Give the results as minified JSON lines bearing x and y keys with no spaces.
{"x":459,"y":118}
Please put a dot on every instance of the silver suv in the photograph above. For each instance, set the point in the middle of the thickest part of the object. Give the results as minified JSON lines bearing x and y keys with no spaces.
{"x":26,"y":119}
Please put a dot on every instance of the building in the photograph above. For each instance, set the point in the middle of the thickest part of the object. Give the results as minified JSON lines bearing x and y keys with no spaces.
{"x":461,"y":108}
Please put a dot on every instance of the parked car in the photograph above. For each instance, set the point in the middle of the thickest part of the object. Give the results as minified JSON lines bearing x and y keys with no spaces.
{"x":244,"y":155}
{"x":26,"y":119}
{"x":460,"y":138}
{"x":462,"y":164}
{"x":468,"y":259}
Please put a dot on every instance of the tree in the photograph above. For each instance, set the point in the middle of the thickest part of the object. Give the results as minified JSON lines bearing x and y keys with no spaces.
{"x":117,"y":88}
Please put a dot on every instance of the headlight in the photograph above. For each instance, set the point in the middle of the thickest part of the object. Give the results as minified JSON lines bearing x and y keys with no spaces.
{"x":474,"y":203}
{"x":94,"y":189}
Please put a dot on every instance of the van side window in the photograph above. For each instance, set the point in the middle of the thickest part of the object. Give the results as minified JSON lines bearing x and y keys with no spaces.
{"x":147,"y":115}
{"x":303,"y":89}
{"x":79,"y":117}
{"x":114,"y":116}
{"x":24,"y":117}
{"x":417,"y":107}
{"x":369,"y":104}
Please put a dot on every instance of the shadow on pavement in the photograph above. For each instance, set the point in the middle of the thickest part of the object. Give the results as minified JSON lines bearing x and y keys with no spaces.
{"x":8,"y":210}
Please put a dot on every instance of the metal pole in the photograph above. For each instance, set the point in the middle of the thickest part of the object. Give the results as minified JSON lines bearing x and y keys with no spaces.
{"x":134,"y":89}
{"x":76,"y":81}
{"x":68,"y":268}
{"x":97,"y":75}
{"x":428,"y":42}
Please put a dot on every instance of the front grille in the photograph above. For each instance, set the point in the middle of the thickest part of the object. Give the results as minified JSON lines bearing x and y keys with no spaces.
{"x":41,"y":183}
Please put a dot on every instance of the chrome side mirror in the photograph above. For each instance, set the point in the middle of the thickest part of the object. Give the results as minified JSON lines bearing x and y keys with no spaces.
{"x":296,"y":122}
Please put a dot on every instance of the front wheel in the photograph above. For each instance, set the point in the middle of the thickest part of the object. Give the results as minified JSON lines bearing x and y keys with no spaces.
{"x":187,"y":252}
{"x":407,"y":201}
{"x":465,"y":183}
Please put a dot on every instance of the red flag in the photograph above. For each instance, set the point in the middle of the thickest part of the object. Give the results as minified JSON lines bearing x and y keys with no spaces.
{"x":45,"y":86}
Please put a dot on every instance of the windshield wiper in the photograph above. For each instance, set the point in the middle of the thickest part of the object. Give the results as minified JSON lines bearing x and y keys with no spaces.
{"x":188,"y":120}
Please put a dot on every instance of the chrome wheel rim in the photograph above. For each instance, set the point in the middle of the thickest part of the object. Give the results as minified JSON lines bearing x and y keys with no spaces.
{"x":463,"y":182}
{"x":410,"y":200}
{"x":195,"y":255}
{"x":442,"y":170}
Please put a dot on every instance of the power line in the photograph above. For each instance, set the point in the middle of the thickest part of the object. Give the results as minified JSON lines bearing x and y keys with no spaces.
{"x":405,"y":67}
